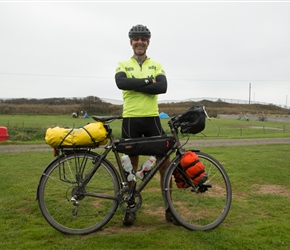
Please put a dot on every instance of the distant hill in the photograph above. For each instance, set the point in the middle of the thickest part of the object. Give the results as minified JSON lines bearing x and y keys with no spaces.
{"x":219,"y":107}
{"x":95,"y":105}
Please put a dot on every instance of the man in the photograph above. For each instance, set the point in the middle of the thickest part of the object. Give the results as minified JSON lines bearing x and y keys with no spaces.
{"x":141,"y":79}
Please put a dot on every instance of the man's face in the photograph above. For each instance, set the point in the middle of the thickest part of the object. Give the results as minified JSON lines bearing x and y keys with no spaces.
{"x":139,"y":45}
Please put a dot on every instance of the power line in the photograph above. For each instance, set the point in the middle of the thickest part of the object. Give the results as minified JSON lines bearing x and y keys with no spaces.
{"x":48,"y":75}
{"x":229,"y":80}
{"x":195,"y":80}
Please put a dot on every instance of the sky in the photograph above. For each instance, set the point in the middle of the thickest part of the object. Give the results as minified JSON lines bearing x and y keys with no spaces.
{"x":232,"y":50}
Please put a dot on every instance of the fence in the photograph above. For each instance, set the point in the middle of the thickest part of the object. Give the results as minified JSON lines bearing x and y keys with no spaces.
{"x":234,"y":101}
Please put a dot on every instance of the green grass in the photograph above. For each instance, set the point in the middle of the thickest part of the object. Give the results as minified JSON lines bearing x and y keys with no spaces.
{"x":258,"y":219}
{"x":31,"y":128}
{"x":225,"y":128}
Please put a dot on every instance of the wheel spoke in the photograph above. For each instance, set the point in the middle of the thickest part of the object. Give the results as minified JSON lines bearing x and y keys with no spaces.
{"x":69,"y":207}
{"x":204,"y":207}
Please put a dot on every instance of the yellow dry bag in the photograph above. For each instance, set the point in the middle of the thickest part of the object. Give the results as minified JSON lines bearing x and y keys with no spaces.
{"x":93,"y":134}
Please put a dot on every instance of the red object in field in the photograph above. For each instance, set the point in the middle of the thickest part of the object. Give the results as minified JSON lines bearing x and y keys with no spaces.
{"x":3,"y":134}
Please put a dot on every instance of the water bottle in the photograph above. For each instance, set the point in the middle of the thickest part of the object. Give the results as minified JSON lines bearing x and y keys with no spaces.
{"x":146,"y":167}
{"x":128,"y":167}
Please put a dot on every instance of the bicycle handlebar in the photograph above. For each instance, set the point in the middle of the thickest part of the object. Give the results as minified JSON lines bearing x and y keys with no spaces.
{"x":108,"y":119}
{"x":174,"y":123}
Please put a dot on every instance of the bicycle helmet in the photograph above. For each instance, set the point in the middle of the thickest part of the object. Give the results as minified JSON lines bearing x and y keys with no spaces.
{"x":139,"y":30}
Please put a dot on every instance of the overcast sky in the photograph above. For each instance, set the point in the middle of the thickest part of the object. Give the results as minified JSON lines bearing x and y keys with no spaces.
{"x":228,"y":50}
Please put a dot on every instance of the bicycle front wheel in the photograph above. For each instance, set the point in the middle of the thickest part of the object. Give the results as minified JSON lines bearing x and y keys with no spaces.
{"x":73,"y":209}
{"x":204,"y":207}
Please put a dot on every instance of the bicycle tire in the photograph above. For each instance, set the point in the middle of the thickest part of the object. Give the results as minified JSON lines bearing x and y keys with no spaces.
{"x":60,"y":181}
{"x":199,"y":210}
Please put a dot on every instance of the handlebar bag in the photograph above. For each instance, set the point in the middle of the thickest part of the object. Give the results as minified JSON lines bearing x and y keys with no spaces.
{"x":91,"y":134}
{"x":193,"y":168}
{"x":156,"y":145}
{"x":192,"y":121}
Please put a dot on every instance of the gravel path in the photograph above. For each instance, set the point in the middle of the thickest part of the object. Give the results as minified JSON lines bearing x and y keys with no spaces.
{"x":191,"y":143}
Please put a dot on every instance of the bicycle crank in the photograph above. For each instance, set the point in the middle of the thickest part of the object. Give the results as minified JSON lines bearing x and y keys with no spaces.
{"x":129,"y":202}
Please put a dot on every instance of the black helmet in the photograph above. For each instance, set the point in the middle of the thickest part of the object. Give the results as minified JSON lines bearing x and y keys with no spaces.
{"x":139,"y":30}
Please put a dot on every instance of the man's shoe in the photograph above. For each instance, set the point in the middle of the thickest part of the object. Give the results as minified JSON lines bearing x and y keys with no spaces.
{"x":129,"y":218}
{"x":170,"y":218}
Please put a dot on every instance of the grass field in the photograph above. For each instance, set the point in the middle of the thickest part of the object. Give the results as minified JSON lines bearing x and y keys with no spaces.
{"x":31,"y":128}
{"x":258,"y":219}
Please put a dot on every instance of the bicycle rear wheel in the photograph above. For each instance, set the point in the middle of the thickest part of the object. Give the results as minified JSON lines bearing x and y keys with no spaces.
{"x":71,"y":209}
{"x":203,"y":208}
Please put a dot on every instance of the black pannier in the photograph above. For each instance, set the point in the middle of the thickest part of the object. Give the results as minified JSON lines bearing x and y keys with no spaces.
{"x":192,"y":121}
{"x":156,"y":145}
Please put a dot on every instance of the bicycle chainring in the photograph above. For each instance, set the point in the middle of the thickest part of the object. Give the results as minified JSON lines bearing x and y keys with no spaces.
{"x":129,"y":202}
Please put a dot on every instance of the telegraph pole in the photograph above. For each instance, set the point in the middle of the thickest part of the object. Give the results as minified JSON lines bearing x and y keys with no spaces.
{"x":250,"y":93}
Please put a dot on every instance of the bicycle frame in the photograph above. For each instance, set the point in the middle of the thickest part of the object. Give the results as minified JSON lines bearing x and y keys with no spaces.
{"x":111,"y":147}
{"x":123,"y":179}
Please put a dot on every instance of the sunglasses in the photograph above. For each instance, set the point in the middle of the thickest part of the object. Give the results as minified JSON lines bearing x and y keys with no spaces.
{"x":142,"y":38}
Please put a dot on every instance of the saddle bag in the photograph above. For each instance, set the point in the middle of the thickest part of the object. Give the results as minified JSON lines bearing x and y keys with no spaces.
{"x":193,"y":168}
{"x":156,"y":145}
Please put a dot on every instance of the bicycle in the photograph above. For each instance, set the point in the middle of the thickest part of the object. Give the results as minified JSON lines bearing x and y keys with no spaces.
{"x":80,"y":191}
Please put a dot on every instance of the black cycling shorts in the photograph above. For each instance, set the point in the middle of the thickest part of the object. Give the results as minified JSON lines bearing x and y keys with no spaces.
{"x":143,"y":126}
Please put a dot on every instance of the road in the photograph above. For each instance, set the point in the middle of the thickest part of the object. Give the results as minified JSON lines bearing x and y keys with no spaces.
{"x":190,"y":144}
